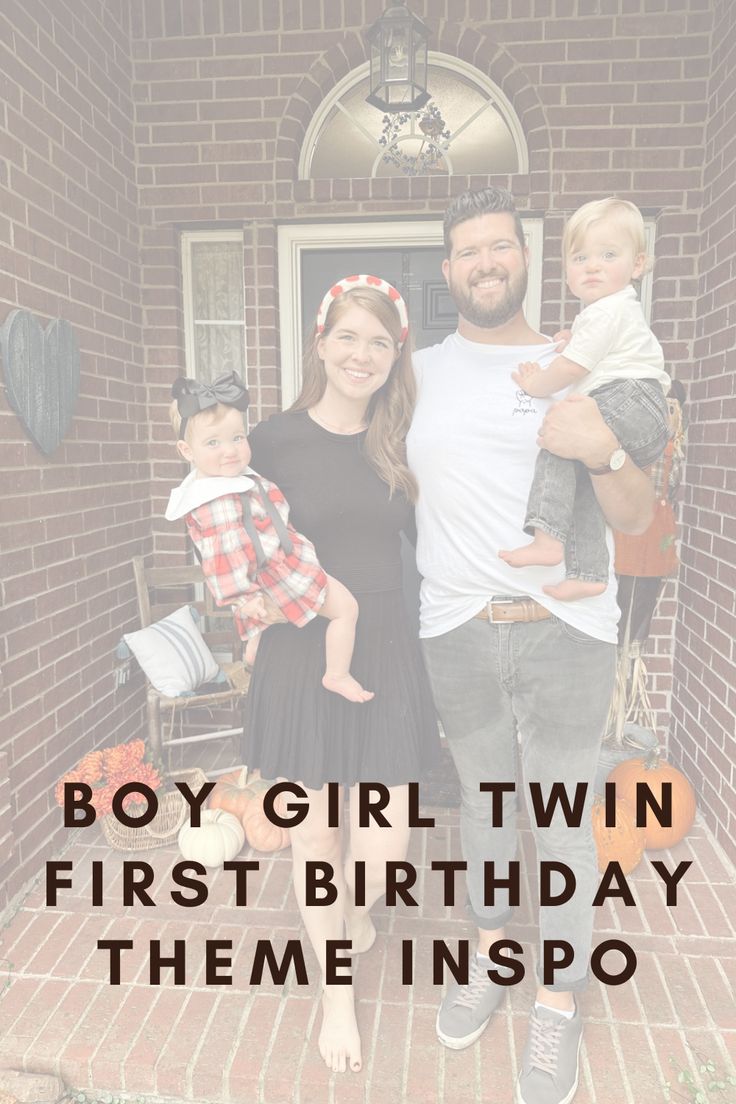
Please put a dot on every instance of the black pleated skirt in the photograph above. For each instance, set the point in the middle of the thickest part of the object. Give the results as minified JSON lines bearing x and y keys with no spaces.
{"x":296,"y":729}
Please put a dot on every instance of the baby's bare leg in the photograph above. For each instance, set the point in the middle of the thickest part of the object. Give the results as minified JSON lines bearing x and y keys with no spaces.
{"x":251,"y":647}
{"x":341,"y":609}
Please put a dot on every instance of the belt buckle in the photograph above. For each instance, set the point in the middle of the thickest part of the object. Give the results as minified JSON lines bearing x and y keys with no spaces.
{"x":499,"y":601}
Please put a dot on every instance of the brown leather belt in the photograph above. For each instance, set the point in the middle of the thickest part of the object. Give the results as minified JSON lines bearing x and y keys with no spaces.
{"x":513,"y":609}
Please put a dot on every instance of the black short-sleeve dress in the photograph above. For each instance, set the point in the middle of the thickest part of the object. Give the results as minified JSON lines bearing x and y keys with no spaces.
{"x":294,"y":728}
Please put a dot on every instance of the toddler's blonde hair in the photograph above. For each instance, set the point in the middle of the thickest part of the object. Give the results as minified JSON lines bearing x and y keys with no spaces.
{"x":625,"y":215}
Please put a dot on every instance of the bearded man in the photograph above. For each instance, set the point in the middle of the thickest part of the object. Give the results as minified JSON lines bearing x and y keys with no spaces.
{"x":516,"y":674}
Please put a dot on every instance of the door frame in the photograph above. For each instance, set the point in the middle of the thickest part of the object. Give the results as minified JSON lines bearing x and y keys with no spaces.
{"x":294,"y":238}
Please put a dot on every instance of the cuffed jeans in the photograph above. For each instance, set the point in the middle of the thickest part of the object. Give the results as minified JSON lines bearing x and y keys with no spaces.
{"x":562,"y":501}
{"x":544,"y":687}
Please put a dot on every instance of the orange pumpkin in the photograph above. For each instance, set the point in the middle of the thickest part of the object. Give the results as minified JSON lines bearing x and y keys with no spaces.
{"x":654,"y":771}
{"x":232,"y":793}
{"x":259,"y":831}
{"x":623,"y":843}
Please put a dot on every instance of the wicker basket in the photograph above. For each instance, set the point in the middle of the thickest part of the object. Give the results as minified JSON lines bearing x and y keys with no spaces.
{"x":164,"y":828}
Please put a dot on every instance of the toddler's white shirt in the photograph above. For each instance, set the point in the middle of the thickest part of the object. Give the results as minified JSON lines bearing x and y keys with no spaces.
{"x":611,"y":339}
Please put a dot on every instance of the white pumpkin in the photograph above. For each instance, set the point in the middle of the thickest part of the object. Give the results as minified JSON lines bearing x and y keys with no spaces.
{"x":219,"y":838}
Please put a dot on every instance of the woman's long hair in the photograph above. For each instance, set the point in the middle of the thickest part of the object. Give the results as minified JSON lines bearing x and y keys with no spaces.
{"x":390,"y":409}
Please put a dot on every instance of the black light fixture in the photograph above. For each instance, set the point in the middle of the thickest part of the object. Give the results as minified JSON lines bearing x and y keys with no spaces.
{"x":398,"y":42}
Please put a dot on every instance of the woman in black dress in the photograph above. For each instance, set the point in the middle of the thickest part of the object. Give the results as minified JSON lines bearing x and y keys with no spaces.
{"x":339,"y":457}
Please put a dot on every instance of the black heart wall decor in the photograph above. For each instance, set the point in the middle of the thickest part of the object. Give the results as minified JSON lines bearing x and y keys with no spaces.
{"x":41,"y":375}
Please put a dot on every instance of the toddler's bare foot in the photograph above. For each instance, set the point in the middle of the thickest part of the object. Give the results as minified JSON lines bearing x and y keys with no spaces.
{"x":346,"y":685}
{"x":339,"y":1041}
{"x":572,"y":589}
{"x":251,"y":647}
{"x":544,"y":550}
{"x":360,"y":930}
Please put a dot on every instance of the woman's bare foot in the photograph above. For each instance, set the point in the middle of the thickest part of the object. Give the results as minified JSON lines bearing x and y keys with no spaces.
{"x":544,"y":550}
{"x":360,"y":930}
{"x":339,"y":1041}
{"x":572,"y":589}
{"x":346,"y":685}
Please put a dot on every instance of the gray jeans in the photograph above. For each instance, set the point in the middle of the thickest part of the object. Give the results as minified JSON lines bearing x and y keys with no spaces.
{"x":544,"y":688}
{"x":562,"y":501}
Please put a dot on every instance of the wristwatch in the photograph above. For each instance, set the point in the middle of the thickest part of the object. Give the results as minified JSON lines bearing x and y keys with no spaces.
{"x":615,"y":463}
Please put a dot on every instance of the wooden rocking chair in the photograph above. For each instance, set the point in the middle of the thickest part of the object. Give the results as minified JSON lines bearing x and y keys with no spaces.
{"x":161,"y":590}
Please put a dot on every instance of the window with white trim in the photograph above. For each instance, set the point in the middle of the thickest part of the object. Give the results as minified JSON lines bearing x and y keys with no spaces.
{"x":213,"y":295}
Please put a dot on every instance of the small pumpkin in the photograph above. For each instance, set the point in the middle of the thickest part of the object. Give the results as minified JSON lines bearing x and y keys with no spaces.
{"x":654,"y":771}
{"x":260,"y":832}
{"x":623,"y":842}
{"x":219,"y":838}
{"x":232,"y":793}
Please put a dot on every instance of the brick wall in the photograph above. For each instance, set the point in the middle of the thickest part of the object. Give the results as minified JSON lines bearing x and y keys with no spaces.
{"x":70,"y":521}
{"x":704,"y":707}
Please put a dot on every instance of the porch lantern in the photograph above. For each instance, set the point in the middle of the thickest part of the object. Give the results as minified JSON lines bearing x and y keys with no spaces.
{"x":398,"y":42}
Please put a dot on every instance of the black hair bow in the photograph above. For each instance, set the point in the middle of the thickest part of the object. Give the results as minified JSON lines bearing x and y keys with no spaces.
{"x":193,"y":396}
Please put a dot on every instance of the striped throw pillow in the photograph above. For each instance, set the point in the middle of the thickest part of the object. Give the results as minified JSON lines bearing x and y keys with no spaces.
{"x":173,"y":654}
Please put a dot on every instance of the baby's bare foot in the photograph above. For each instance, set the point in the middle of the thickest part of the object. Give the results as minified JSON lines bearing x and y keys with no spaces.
{"x":346,"y":685}
{"x":544,"y":550}
{"x":339,"y":1040}
{"x":572,"y":589}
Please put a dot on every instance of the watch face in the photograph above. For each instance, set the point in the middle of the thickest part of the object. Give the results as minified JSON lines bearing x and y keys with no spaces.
{"x":618,"y":460}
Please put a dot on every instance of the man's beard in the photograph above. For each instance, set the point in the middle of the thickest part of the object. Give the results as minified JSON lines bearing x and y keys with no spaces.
{"x":503,"y":311}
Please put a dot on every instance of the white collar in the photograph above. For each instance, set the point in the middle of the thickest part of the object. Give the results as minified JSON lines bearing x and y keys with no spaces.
{"x":196,"y":490}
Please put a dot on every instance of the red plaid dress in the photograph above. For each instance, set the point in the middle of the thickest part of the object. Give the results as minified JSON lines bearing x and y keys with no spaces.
{"x":295,"y":583}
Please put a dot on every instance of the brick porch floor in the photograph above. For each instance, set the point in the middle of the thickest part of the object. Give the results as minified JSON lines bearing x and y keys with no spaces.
{"x":241,"y":1043}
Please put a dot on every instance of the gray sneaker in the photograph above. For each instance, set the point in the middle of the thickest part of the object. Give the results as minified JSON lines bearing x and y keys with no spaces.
{"x":549,"y":1064}
{"x":466,"y":1009}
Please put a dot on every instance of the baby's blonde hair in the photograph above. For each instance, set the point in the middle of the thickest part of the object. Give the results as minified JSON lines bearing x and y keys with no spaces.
{"x":625,"y":215}
{"x":212,"y":414}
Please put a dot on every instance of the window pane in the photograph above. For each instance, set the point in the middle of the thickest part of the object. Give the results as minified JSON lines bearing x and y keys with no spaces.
{"x":352,"y":133}
{"x":217,"y":280}
{"x":218,"y":349}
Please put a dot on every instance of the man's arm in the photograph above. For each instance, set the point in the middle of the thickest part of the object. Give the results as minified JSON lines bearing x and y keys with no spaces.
{"x":575,"y":430}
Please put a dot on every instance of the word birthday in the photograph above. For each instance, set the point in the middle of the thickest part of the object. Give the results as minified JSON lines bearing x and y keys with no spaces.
{"x":557,"y":882}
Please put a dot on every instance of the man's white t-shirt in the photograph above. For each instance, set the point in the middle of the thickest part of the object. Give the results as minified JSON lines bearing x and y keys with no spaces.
{"x":611,"y":339}
{"x":472,"y":447}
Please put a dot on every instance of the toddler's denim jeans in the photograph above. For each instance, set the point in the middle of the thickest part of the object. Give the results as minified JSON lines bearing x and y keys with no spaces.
{"x":562,"y":501}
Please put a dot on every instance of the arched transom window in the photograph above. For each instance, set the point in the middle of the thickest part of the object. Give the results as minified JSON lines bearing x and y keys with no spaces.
{"x":468,"y":126}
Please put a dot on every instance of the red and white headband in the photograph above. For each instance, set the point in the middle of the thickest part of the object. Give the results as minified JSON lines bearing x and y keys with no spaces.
{"x":377,"y":284}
